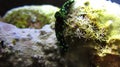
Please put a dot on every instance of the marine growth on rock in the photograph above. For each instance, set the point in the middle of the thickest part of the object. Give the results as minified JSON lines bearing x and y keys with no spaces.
{"x":34,"y":16}
{"x":88,"y":32}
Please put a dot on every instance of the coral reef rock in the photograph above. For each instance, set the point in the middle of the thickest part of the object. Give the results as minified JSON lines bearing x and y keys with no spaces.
{"x":28,"y":47}
{"x":88,"y":32}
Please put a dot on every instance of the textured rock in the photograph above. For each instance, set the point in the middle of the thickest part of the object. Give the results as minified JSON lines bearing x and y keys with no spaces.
{"x":88,"y":32}
{"x":28,"y":47}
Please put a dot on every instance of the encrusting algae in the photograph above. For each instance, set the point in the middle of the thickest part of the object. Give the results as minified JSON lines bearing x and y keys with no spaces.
{"x":89,"y":33}
{"x":31,"y":16}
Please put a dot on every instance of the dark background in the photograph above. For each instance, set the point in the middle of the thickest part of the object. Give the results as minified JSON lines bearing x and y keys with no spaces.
{"x":6,"y":5}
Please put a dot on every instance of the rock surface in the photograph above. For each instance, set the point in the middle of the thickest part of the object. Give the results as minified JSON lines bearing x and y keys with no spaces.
{"x":28,"y":47}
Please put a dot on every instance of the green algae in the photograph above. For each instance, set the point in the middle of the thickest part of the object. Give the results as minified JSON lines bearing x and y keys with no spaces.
{"x":32,"y":16}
